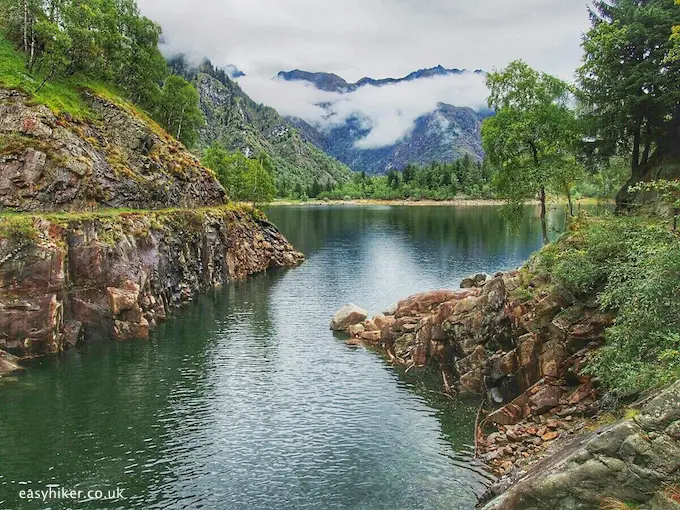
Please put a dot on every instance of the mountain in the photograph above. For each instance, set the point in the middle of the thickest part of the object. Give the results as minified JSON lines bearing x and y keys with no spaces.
{"x":239,"y":123}
{"x":444,"y":134}
{"x":334,"y":83}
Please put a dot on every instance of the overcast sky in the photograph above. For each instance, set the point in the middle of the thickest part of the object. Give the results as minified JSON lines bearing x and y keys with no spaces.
{"x":376,"y":38}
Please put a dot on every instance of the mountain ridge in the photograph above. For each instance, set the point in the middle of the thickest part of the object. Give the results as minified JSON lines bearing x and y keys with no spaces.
{"x":446,"y":133}
{"x":331,"y":82}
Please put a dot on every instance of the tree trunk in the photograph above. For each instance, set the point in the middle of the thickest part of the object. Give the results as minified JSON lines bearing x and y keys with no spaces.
{"x":624,"y":199}
{"x":25,"y":25}
{"x":635,"y":160}
{"x":181,"y":118}
{"x":31,"y":59}
{"x":571,"y":205}
{"x":45,"y":80}
{"x":648,"y":144}
{"x":544,"y":224}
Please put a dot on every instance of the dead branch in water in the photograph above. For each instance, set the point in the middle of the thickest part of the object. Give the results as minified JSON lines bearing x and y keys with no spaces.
{"x":479,"y":413}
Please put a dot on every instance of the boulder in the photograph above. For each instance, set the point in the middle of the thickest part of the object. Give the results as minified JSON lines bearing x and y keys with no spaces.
{"x":474,"y":281}
{"x":629,"y":461}
{"x":422,"y":302}
{"x":355,"y":329}
{"x":347,"y":316}
{"x":8,"y":363}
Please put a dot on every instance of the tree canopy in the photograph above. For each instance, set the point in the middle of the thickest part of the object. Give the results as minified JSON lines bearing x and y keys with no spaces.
{"x":246,"y":180}
{"x":629,"y":79}
{"x":531,"y":138}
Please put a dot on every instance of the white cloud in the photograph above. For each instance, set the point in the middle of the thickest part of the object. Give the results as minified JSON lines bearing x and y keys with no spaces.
{"x":389,"y":111}
{"x":376,"y":38}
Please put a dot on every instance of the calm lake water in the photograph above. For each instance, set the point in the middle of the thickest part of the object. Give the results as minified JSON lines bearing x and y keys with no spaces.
{"x":245,"y":400}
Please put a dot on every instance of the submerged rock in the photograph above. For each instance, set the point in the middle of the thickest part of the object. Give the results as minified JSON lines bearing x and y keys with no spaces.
{"x":347,"y":316}
{"x":8,"y":363}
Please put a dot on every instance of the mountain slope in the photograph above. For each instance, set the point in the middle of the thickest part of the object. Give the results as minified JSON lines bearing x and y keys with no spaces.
{"x":444,"y":134}
{"x":237,"y":122}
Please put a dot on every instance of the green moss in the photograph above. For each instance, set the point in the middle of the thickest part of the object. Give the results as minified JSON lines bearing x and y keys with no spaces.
{"x":18,"y":228}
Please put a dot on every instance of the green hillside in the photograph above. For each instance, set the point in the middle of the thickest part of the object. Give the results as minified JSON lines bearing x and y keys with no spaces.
{"x":239,"y":123}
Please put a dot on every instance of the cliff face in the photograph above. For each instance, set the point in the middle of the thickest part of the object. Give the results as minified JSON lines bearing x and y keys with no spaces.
{"x":237,"y":122}
{"x":64,"y":278}
{"x":116,"y":158}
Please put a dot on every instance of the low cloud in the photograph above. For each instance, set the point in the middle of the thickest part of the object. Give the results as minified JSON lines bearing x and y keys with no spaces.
{"x":389,"y":112}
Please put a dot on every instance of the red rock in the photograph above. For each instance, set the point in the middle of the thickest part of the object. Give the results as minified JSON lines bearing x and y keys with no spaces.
{"x":422,"y":302}
{"x":370,"y":336}
{"x":124,"y":298}
{"x":549,"y":436}
{"x":356,"y":329}
{"x":546,"y":398}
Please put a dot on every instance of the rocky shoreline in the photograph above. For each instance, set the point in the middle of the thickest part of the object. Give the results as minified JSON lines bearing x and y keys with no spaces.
{"x":72,"y":278}
{"x":520,"y":343}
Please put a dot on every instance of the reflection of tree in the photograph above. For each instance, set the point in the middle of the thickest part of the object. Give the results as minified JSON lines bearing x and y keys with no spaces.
{"x":468,"y":231}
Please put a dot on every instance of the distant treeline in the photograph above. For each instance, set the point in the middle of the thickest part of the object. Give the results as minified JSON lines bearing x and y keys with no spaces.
{"x":435,"y":181}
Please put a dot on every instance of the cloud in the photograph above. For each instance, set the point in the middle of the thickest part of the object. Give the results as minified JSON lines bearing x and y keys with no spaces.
{"x":376,"y":38}
{"x":389,"y":111}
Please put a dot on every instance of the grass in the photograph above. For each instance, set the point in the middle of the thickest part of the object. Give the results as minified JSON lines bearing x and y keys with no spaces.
{"x":62,"y":95}
{"x":615,"y":504}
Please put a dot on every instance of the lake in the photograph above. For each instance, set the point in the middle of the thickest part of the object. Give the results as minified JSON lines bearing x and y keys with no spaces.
{"x":245,"y":399}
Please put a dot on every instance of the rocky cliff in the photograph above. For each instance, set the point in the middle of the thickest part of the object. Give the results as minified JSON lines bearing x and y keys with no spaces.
{"x":521,"y":341}
{"x":65,"y":278}
{"x":115,"y":158}
{"x":632,"y":462}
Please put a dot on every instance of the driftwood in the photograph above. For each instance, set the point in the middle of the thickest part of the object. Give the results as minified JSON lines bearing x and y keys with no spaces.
{"x":477,"y":425}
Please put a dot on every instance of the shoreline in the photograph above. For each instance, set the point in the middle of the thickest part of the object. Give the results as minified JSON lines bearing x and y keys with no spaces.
{"x":458,"y":202}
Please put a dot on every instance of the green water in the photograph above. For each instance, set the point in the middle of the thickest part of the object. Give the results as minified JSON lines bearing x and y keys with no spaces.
{"x":244,"y":399}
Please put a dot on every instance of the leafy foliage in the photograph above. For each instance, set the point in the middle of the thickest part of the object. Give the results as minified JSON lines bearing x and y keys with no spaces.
{"x":69,"y":44}
{"x":178,"y":109}
{"x":244,"y":179}
{"x":634,"y":266}
{"x":436,"y":181}
{"x":531,"y":138}
{"x":629,"y":78}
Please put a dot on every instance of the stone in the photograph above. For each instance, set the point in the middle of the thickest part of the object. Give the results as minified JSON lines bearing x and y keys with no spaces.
{"x":422,"y":302}
{"x":73,"y":332}
{"x":624,"y":461}
{"x":8,"y":363}
{"x":79,"y":276}
{"x":121,"y":299}
{"x":370,"y":336}
{"x":546,"y":398}
{"x":347,"y":316}
{"x":474,"y":281}
{"x":356,"y":329}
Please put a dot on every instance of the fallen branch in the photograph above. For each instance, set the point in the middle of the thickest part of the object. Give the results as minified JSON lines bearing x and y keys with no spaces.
{"x":479,"y":412}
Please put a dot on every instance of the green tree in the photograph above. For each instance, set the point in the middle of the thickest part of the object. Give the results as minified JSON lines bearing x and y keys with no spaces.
{"x":229,"y":168}
{"x":178,"y":109}
{"x":531,"y":137}
{"x":630,"y":81}
{"x":259,"y":185}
